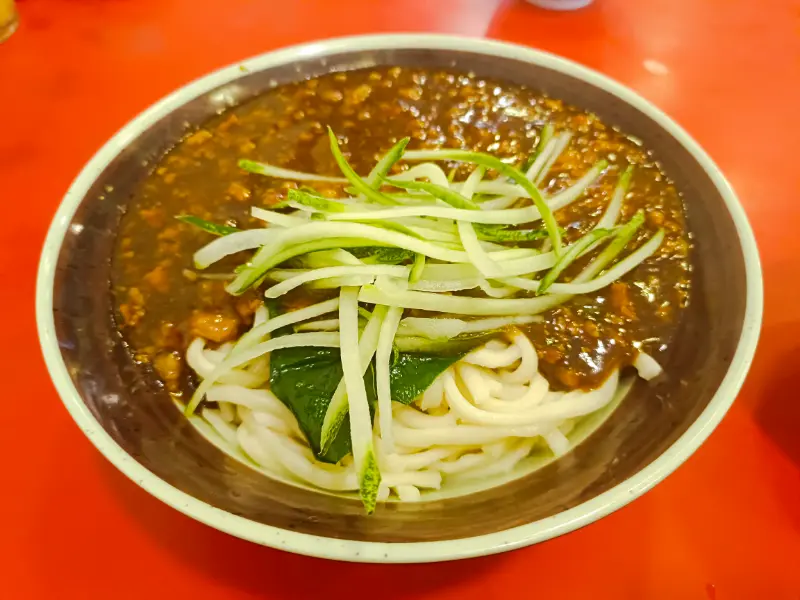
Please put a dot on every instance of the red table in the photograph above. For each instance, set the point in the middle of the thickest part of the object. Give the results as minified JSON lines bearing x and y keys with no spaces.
{"x":726,"y":525}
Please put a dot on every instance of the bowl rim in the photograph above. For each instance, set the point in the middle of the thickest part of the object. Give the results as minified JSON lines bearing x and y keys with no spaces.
{"x":390,"y":552}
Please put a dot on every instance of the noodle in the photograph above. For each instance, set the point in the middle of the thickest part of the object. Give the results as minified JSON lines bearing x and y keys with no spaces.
{"x":480,"y":418}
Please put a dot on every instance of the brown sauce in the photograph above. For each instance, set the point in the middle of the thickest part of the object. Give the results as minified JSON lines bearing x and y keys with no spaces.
{"x":162,"y":305}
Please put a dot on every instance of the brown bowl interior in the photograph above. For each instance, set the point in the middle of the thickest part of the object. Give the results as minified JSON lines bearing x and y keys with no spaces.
{"x":142,"y":419}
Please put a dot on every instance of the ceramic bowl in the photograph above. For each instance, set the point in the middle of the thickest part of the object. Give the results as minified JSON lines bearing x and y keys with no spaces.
{"x":138,"y":428}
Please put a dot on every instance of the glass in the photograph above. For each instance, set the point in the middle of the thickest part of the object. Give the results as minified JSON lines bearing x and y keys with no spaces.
{"x":8,"y":19}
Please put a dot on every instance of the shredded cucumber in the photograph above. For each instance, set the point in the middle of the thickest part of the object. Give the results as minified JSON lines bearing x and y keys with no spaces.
{"x":574,"y":251}
{"x":417,"y":269}
{"x":491,"y":162}
{"x":207,"y":226}
{"x":385,"y":164}
{"x":357,"y":182}
{"x":367,"y":471}
{"x":383,"y":360}
{"x":460,"y":305}
{"x":544,"y":140}
{"x":338,"y":407}
{"x":447,"y":195}
{"x":281,"y":173}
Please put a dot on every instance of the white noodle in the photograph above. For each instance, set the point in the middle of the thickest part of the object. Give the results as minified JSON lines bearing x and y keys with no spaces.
{"x":557,"y":441}
{"x":224,"y":429}
{"x":493,"y":359}
{"x":647,"y":366}
{"x":408,"y":493}
{"x":227,"y":411}
{"x":478,"y":420}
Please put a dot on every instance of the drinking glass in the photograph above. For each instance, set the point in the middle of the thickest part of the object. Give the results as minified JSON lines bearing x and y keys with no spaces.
{"x":9,"y":19}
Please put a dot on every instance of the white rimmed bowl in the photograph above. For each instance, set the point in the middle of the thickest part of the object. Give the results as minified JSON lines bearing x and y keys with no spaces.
{"x":135,"y":425}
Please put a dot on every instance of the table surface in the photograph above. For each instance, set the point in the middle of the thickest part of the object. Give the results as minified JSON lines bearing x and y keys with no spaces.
{"x":725,"y":525}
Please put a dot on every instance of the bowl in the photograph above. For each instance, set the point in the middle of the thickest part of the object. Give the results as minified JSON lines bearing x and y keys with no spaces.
{"x":138,"y":428}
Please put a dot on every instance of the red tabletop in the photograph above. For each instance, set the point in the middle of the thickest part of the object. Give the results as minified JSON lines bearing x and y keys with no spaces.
{"x":726,"y":525}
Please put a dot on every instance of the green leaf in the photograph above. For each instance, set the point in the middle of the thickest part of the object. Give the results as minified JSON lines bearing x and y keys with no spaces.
{"x":304,"y":379}
{"x":412,"y":373}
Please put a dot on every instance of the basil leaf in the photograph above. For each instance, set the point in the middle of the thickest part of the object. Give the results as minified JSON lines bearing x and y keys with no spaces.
{"x":412,"y":373}
{"x":304,"y":379}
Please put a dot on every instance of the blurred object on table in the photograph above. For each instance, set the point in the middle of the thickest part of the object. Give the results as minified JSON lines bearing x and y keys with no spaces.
{"x":9,"y":19}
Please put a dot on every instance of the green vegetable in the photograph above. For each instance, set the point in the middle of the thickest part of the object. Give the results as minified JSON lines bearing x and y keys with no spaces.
{"x":361,"y":186}
{"x":365,"y":273}
{"x":452,"y":198}
{"x":304,"y":379}
{"x":574,"y":251}
{"x":268,"y":257}
{"x":412,"y":373}
{"x":366,"y":344}
{"x":385,"y":164}
{"x":356,"y":358}
{"x":325,"y":258}
{"x":392,"y":226}
{"x":369,"y":480}
{"x":383,"y":364}
{"x":622,"y":237}
{"x":296,"y":340}
{"x":446,"y":328}
{"x":416,"y":270}
{"x":382,"y":255}
{"x":455,"y":346}
{"x":547,"y":133}
{"x":398,"y":197}
{"x":293,"y":242}
{"x":464,"y":305}
{"x":609,"y":219}
{"x":492,"y":162}
{"x":502,"y":233}
{"x":560,"y":143}
{"x":316,"y":202}
{"x":258,"y":168}
{"x":475,"y":252}
{"x":208,"y":226}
